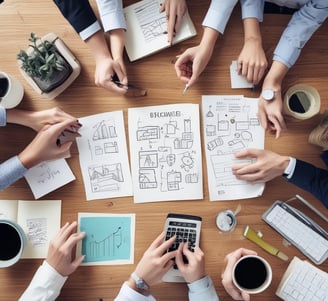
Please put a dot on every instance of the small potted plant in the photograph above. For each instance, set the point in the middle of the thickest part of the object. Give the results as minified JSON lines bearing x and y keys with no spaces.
{"x":48,"y":65}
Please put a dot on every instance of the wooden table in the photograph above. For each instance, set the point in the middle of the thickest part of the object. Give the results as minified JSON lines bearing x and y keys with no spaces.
{"x":19,"y":18}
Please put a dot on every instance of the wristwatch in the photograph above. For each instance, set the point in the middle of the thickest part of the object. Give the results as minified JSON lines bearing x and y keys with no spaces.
{"x":268,"y":94}
{"x":140,"y":283}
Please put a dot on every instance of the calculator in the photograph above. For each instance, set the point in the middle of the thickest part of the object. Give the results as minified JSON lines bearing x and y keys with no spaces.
{"x":187,"y":229}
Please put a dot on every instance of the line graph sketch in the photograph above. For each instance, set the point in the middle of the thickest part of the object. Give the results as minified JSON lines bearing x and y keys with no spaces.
{"x":109,"y":238}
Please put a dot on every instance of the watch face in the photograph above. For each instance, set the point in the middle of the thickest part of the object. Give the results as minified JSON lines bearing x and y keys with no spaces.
{"x":268,"y":94}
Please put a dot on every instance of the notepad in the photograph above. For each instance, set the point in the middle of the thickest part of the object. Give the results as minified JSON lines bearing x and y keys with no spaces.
{"x":147,"y":29}
{"x":40,"y":221}
{"x":303,"y":281}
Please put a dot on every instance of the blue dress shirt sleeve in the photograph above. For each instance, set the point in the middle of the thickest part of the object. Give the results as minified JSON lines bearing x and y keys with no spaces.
{"x":111,"y":14}
{"x":45,"y":285}
{"x":10,"y":171}
{"x":218,"y":14}
{"x":3,"y":116}
{"x":252,"y":9}
{"x":301,"y":27}
{"x":202,"y":289}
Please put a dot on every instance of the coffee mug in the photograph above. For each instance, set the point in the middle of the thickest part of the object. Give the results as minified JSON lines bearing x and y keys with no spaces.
{"x":11,"y":91}
{"x":252,"y":274}
{"x":12,"y":242}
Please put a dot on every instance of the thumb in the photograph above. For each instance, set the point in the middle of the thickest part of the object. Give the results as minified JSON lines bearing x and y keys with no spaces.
{"x":250,"y":152}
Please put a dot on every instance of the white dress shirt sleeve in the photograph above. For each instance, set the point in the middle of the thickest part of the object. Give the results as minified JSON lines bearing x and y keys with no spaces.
{"x":45,"y":285}
{"x":128,"y":294}
{"x":303,"y":24}
{"x":111,"y":14}
{"x":90,"y":31}
{"x":202,"y":289}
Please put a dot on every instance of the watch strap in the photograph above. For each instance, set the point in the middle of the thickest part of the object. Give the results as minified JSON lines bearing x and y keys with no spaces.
{"x":140,"y":283}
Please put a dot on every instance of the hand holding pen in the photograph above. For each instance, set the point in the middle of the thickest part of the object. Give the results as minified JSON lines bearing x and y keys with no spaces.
{"x":132,"y":90}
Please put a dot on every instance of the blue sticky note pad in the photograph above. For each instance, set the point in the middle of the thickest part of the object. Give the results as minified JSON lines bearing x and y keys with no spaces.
{"x":109,"y":239}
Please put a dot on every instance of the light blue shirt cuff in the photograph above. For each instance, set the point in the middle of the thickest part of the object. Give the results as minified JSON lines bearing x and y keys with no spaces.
{"x":3,"y":116}
{"x":11,"y":171}
{"x":252,"y":9}
{"x":111,"y":14}
{"x":90,"y":31}
{"x":289,"y":171}
{"x":45,"y":285}
{"x":286,"y":53}
{"x":202,"y":289}
{"x":218,"y":14}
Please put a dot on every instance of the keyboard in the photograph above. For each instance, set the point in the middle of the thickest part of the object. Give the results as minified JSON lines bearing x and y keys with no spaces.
{"x":299,"y":230}
{"x":303,"y":281}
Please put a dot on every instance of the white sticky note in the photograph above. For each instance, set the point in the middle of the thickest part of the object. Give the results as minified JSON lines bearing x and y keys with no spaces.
{"x":238,"y":81}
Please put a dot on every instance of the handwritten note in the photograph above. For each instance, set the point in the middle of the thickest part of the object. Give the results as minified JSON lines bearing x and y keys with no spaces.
{"x":48,"y":176}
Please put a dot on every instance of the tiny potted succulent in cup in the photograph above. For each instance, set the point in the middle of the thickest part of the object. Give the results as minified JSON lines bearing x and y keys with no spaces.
{"x":48,"y":65}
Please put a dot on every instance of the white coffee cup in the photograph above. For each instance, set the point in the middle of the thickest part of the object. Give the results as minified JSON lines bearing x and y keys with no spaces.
{"x":252,"y":274}
{"x":11,"y":91}
{"x":12,"y":243}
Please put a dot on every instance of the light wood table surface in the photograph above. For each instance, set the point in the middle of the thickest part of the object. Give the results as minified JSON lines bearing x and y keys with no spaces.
{"x":156,"y":73}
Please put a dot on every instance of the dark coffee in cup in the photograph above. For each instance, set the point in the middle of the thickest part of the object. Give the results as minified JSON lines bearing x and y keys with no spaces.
{"x":4,"y":84}
{"x":12,"y":241}
{"x":252,"y":274}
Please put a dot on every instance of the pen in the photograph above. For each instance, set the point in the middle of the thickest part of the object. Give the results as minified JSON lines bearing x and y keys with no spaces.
{"x":185,"y":89}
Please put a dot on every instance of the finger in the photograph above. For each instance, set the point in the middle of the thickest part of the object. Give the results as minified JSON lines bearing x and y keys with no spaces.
{"x":239,"y":66}
{"x":72,"y":240}
{"x":178,"y":21}
{"x":245,"y":296}
{"x":263,"y":118}
{"x":77,"y":262}
{"x":245,"y":153}
{"x":275,"y":124}
{"x":66,"y":231}
{"x":158,"y":241}
{"x":170,"y":27}
{"x":165,"y":245}
{"x":178,"y":258}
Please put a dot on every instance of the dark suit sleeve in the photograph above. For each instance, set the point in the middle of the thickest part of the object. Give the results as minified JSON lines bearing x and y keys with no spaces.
{"x":79,"y":13}
{"x":312,"y":179}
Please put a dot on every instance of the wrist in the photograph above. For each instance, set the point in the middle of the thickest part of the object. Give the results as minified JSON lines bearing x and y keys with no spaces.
{"x":138,"y":284}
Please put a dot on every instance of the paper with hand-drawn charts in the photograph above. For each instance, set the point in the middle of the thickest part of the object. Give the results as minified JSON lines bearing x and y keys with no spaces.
{"x":103,"y":156}
{"x":165,"y":152}
{"x":230,"y":124}
{"x":109,"y":238}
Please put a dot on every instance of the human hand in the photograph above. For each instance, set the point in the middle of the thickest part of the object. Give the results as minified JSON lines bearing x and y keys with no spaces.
{"x":270,"y":114}
{"x":268,"y":165}
{"x":45,"y":146}
{"x":175,"y":10}
{"x":230,"y":260}
{"x":192,"y":63}
{"x":195,"y":268}
{"x":252,"y":61}
{"x":154,"y":263}
{"x":61,"y":249}
{"x":106,"y":68}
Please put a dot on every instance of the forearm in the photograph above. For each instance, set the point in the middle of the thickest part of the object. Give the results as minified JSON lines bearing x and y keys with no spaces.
{"x":21,"y":117}
{"x":117,"y":43}
{"x":209,"y":38}
{"x":98,"y":46}
{"x":252,"y":31}
{"x":275,"y":76}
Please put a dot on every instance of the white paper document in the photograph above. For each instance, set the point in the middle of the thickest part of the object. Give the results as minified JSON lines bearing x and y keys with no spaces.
{"x":103,"y":156}
{"x":238,"y":81}
{"x":230,"y":124}
{"x":48,"y":176}
{"x":165,"y":152}
{"x":40,"y":221}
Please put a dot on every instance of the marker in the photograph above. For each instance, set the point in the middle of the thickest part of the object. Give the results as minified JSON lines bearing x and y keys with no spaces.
{"x":185,"y":89}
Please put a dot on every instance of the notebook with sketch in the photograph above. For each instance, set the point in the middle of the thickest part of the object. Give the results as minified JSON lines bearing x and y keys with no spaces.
{"x":147,"y":29}
{"x":40,"y":221}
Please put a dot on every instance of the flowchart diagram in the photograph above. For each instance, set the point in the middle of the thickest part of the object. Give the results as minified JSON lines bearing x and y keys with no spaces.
{"x":230,"y":125}
{"x":165,"y":152}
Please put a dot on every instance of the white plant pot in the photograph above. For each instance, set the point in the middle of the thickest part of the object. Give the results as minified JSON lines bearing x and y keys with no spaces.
{"x":69,"y":57}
